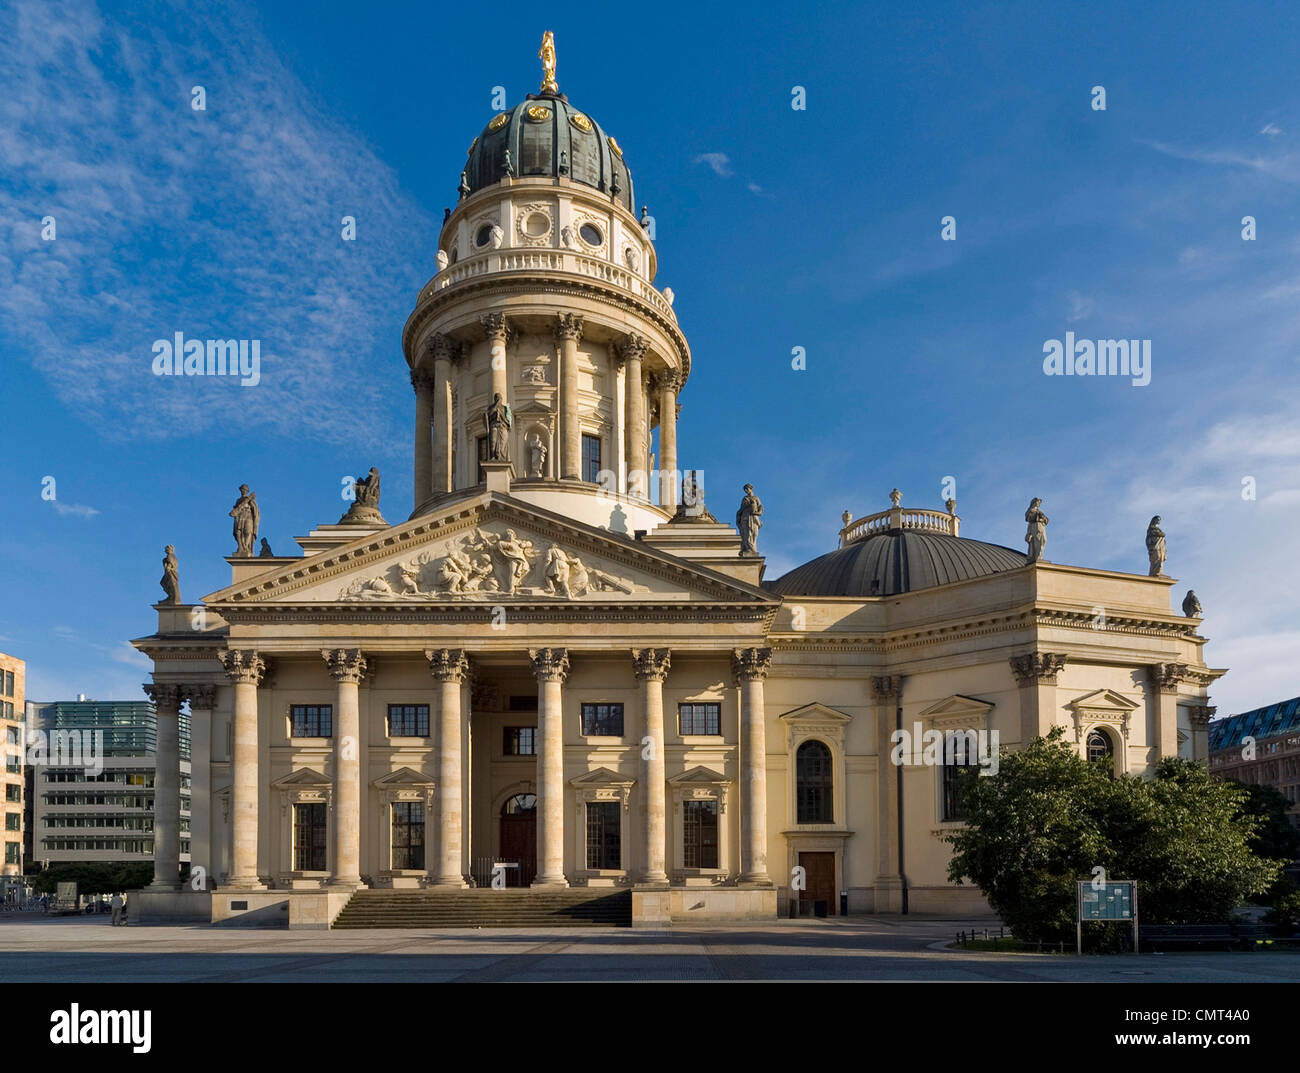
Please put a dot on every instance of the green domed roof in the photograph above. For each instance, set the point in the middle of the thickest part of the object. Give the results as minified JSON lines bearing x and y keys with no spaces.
{"x":548,"y":137}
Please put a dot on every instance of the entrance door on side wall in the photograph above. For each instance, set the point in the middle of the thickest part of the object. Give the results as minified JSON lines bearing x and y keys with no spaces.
{"x":819,"y":869}
{"x":519,"y":839}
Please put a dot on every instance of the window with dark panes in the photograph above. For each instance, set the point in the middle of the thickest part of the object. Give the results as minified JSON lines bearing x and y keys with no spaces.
{"x":309,"y":833}
{"x":604,"y":848}
{"x":954,"y":785}
{"x":602,"y":720}
{"x":591,"y":459}
{"x":482,"y":457}
{"x":408,"y":720}
{"x":700,"y":718}
{"x":408,"y":834}
{"x":700,"y":833}
{"x":813,"y":783}
{"x":520,"y":741}
{"x":312,"y":720}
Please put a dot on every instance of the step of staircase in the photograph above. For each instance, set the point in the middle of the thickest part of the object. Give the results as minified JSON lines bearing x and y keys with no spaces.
{"x":487,"y":908}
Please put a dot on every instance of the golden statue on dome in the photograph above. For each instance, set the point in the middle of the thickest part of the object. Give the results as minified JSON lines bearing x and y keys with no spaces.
{"x":547,"y":55}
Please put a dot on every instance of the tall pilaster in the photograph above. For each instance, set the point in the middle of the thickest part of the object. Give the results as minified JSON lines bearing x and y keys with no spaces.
{"x":1166,"y":678}
{"x":422,"y":383}
{"x":651,"y":666}
{"x":203,"y":701}
{"x":167,"y":699}
{"x":750,"y":666}
{"x":668,"y":384}
{"x":443,"y":422}
{"x":496,"y":330}
{"x":1199,"y":717}
{"x":1036,"y":672}
{"x":567,"y":333}
{"x":244,"y":668}
{"x":449,"y":667}
{"x":886,"y":691}
{"x":347,"y":667}
{"x":551,"y":666}
{"x":632,"y":349}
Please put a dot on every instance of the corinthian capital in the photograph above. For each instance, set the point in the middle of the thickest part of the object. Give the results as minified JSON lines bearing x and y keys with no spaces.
{"x":651,"y":664}
{"x":203,"y":696}
{"x":345,"y":664}
{"x":748,"y":664}
{"x":494,"y":326}
{"x":448,"y":664}
{"x":422,"y":380}
{"x":1166,"y":676}
{"x":550,"y":664}
{"x":444,"y":347}
{"x":631,"y":347}
{"x":1037,"y":666}
{"x":166,"y":696}
{"x":569,"y":326}
{"x":886,"y":687}
{"x":1199,"y":715}
{"x":243,"y":665}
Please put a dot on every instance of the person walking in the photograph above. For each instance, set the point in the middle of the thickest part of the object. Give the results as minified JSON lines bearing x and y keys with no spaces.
{"x":116,"y":905}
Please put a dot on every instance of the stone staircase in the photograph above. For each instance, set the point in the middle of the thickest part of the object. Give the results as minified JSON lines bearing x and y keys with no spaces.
{"x":483,"y":907}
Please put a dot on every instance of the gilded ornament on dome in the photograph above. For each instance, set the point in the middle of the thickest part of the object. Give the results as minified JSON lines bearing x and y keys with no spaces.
{"x":472,"y":146}
{"x":581,"y":122}
{"x":614,"y":145}
{"x":499,"y":121}
{"x":538,"y":113}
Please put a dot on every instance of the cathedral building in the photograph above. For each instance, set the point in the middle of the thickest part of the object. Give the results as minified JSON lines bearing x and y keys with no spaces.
{"x":563,"y":673}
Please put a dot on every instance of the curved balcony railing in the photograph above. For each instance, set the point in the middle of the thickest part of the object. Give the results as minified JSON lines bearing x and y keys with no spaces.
{"x":503,"y":262}
{"x":899,"y":518}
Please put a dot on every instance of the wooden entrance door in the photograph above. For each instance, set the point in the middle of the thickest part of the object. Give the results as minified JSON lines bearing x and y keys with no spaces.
{"x":819,"y":869}
{"x":519,"y":839}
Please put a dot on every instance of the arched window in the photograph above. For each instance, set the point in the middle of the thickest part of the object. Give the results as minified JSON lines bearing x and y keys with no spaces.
{"x":1100,"y":750}
{"x":814,"y":784}
{"x":518,"y":804}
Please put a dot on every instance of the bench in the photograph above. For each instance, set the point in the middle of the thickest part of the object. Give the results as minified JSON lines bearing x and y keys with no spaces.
{"x":1223,"y":936}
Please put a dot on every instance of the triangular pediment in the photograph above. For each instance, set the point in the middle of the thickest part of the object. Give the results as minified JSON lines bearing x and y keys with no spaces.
{"x":957,"y":705}
{"x":699,"y":776}
{"x":402,"y":777}
{"x":302,"y":779}
{"x":489,"y":549}
{"x":816,"y":713}
{"x":601,"y":777}
{"x":1103,"y":700}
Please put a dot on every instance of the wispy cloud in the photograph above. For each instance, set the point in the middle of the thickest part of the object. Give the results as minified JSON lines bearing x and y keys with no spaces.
{"x":1282,"y":166}
{"x":77,"y":510}
{"x":1271,"y":129}
{"x":719,"y":162}
{"x":223,"y":223}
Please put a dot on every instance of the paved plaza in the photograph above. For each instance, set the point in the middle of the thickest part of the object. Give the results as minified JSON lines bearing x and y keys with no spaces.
{"x":53,"y":950}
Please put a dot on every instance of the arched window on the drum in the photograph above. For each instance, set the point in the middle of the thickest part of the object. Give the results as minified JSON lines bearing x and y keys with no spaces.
{"x":1101,"y":750}
{"x":814,"y":784}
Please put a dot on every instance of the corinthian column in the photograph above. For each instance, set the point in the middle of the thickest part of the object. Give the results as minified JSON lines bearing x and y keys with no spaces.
{"x":244,"y":668}
{"x":449,"y":667}
{"x":496,"y":330}
{"x":567,"y":332}
{"x":443,"y":421}
{"x":632,"y":349}
{"x":651,"y":666}
{"x":1036,"y":673}
{"x":886,"y":690}
{"x":1166,"y":678}
{"x":551,"y":666}
{"x":668,"y":384}
{"x":167,"y":699}
{"x":750,"y":665}
{"x":347,"y":667}
{"x":422,"y":383}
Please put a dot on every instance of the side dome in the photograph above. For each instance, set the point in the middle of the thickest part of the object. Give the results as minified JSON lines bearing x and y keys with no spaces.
{"x":549,"y":138}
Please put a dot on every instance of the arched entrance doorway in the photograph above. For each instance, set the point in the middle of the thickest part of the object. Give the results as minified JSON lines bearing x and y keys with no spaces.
{"x":519,"y":839}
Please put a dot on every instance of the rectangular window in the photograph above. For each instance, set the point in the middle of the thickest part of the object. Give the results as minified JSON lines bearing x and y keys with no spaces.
{"x":604,"y":849}
{"x":13,"y":821}
{"x":408,"y":834}
{"x":520,"y":741}
{"x":309,"y":837}
{"x":312,"y":720}
{"x":482,"y":457}
{"x":13,"y":792}
{"x":700,"y":718}
{"x":700,"y":830}
{"x":9,"y":683}
{"x":408,"y":720}
{"x":591,"y":459}
{"x":602,"y":720}
{"x":13,"y":850}
{"x":12,"y":735}
{"x":13,"y":765}
{"x":954,"y":808}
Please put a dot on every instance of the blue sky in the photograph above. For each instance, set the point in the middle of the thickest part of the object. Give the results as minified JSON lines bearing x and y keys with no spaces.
{"x":776,"y":228}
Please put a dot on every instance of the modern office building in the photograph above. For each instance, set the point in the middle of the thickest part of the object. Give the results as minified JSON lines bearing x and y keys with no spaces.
{"x":93,"y":769}
{"x":13,"y":685}
{"x":1261,"y":747}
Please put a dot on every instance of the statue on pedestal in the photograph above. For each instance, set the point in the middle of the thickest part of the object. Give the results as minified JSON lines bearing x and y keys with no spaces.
{"x":1036,"y":534}
{"x":749,"y":520}
{"x":536,"y":456}
{"x":266,"y":552}
{"x":171,"y":579}
{"x":1156,"y":547}
{"x":498,"y":421}
{"x":1191,"y":605}
{"x":365,"y":505}
{"x":247,"y":517}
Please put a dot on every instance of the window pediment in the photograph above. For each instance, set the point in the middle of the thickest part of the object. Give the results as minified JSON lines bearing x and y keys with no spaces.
{"x":1101,"y":706}
{"x":602,"y":784}
{"x":958,"y":712}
